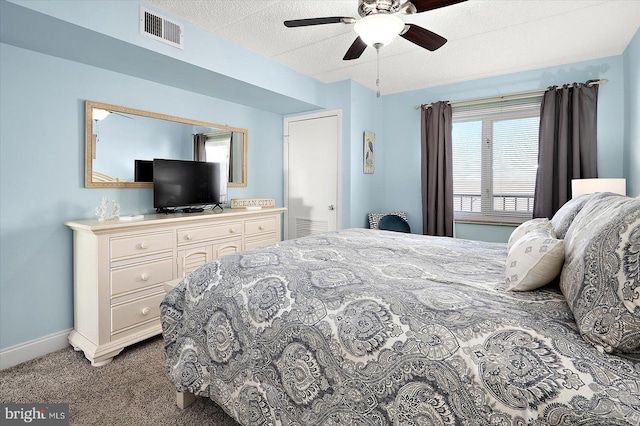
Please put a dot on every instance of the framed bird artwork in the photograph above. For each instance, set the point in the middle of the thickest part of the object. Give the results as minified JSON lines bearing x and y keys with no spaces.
{"x":369,"y":156}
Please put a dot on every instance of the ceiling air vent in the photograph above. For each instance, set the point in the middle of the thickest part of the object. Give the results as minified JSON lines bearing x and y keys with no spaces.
{"x":161,"y":28}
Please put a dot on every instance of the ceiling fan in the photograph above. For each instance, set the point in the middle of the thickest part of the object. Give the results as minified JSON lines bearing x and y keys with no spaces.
{"x":380,"y":24}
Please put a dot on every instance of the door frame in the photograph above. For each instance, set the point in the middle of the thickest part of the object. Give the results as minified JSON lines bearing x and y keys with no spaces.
{"x":304,"y":117}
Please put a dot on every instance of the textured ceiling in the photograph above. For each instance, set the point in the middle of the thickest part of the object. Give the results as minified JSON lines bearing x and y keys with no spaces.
{"x":485,"y":37}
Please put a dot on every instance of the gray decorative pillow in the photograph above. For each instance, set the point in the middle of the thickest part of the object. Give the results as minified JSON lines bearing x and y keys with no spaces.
{"x":528,"y":226}
{"x":601,"y":275}
{"x":374,"y":218}
{"x":567,"y":213}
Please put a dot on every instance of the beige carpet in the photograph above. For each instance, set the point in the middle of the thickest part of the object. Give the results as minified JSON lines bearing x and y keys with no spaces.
{"x":131,"y":390}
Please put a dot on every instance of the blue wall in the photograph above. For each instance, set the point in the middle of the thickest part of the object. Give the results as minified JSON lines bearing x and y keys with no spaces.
{"x":402,"y":126}
{"x":42,"y":174}
{"x":367,"y":191}
{"x":42,"y":106}
{"x":631,"y":58}
{"x":105,"y":34}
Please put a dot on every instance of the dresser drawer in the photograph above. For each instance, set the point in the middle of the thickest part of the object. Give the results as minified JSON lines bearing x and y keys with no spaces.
{"x":260,"y":241}
{"x":138,"y":245}
{"x":194,"y":235}
{"x":260,"y":226}
{"x":136,"y":312}
{"x":139,"y":276}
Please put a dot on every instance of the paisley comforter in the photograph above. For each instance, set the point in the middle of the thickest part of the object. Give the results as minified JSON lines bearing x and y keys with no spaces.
{"x":368,"y":327}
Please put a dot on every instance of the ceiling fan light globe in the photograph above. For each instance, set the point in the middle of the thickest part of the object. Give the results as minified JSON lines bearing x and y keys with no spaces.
{"x":99,"y":114}
{"x":379,"y":29}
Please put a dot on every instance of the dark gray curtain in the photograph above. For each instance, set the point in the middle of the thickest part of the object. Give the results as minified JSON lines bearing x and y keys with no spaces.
{"x":437,"y":170}
{"x":567,"y":144}
{"x":199,"y":141}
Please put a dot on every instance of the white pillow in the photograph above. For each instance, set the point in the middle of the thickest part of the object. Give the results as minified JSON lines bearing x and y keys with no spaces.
{"x":534,"y":260}
{"x":528,"y":226}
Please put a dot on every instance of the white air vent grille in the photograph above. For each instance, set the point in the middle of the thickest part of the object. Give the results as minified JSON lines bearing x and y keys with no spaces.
{"x":306,"y":227}
{"x":161,"y":28}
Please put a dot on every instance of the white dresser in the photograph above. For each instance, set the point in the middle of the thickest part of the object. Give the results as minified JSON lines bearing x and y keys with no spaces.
{"x":120,"y":268}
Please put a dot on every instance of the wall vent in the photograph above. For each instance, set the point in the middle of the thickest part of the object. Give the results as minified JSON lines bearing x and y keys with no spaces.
{"x":161,"y":28}
{"x":306,"y":227}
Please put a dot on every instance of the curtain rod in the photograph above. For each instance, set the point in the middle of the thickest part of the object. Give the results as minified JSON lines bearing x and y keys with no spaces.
{"x":511,"y":96}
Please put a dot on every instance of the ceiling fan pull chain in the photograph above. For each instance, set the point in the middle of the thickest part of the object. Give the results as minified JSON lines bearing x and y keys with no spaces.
{"x":377,"y":46}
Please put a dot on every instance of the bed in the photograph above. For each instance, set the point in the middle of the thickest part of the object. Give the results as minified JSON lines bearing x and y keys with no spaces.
{"x":370,"y":327}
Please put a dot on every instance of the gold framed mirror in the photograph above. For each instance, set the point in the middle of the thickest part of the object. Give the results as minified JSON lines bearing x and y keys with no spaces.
{"x":121,"y":142}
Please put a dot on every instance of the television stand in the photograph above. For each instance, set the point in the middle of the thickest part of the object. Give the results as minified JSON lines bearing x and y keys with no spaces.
{"x":114,"y":307}
{"x":217,"y":205}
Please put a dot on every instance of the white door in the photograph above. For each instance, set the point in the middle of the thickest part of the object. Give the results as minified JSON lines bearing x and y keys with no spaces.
{"x":311,"y":173}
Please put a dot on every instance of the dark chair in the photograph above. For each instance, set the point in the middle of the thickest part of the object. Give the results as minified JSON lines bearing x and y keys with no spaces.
{"x":374,"y":217}
{"x":392,"y":222}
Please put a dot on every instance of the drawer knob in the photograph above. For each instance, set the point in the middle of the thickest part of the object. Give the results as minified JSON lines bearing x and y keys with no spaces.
{"x":232,"y":230}
{"x":146,"y":310}
{"x":261,"y":227}
{"x":188,"y":237}
{"x":143,"y":245}
{"x":145,"y":277}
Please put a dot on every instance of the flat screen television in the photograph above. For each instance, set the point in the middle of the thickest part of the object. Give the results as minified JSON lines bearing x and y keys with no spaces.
{"x":143,"y":171}
{"x":188,"y":186}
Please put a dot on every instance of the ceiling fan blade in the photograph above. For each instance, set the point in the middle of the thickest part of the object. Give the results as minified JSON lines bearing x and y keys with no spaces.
{"x":424,"y":5}
{"x":356,"y":49}
{"x":423,"y":38}
{"x":319,"y":21}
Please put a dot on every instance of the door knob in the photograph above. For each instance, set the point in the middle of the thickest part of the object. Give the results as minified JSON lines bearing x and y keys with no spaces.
{"x":332,"y":207}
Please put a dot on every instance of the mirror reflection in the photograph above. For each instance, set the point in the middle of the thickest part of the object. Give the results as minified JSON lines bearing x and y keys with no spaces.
{"x":121,"y":144}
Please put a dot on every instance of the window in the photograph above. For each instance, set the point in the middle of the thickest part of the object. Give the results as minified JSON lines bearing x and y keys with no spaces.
{"x":218,"y":150}
{"x":217,"y":147}
{"x":495,"y":159}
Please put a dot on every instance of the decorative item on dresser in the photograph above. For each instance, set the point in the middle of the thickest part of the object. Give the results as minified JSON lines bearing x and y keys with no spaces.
{"x":249,"y":203}
{"x":120,"y":268}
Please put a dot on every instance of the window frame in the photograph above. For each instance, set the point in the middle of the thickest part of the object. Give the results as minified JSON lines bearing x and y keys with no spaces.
{"x":489,"y":114}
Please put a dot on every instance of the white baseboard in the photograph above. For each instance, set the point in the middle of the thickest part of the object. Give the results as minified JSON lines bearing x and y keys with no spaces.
{"x":26,"y":351}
